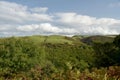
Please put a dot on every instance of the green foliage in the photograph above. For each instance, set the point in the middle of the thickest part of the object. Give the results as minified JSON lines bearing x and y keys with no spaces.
{"x":117,"y":41}
{"x":58,"y":58}
{"x":16,"y":55}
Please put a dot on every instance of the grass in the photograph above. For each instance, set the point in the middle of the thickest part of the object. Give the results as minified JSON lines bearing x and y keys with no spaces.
{"x":58,"y":39}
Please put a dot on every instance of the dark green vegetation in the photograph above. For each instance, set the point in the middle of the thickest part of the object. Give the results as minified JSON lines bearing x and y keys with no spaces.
{"x":60,"y":58}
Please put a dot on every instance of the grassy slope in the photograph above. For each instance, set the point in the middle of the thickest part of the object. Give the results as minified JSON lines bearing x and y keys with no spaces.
{"x":53,"y":39}
{"x":78,"y":39}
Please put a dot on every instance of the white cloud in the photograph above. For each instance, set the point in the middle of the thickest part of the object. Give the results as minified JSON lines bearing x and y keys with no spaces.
{"x":17,"y":19}
{"x":45,"y":28}
{"x":39,"y":9}
{"x":99,"y":30}
{"x":106,"y":21}
{"x":75,"y":19}
{"x":89,"y":25}
{"x":16,"y":13}
{"x":49,"y":28}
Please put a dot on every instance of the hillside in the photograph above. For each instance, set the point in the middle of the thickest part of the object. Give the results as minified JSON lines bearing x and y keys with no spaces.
{"x":57,"y":57}
{"x":58,"y":39}
{"x":97,"y":39}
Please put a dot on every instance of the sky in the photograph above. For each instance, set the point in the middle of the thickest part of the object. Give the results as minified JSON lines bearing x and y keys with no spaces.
{"x":59,"y":17}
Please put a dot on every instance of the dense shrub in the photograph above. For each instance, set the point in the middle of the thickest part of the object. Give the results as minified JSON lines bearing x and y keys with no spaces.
{"x":30,"y":59}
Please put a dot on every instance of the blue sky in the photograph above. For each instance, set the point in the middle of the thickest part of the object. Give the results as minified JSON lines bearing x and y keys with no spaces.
{"x":64,"y":17}
{"x":97,"y":8}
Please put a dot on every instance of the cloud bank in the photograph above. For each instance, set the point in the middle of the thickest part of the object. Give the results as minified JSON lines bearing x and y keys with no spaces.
{"x":17,"y":19}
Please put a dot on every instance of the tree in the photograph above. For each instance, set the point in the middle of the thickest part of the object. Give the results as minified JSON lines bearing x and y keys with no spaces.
{"x":117,"y":41}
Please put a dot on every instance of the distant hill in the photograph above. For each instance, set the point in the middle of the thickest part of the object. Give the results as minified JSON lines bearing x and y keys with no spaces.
{"x":53,"y":39}
{"x":76,"y":39}
{"x":97,"y":39}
